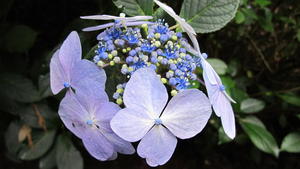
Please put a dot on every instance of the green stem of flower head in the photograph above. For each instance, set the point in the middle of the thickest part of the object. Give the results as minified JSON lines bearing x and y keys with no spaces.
{"x":201,"y":81}
{"x":174,"y":27}
{"x":144,"y":30}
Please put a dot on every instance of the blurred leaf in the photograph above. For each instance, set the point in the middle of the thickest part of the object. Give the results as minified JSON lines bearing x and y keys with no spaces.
{"x":251,"y":105}
{"x":266,"y":22}
{"x":44,"y":86}
{"x":67,"y":156}
{"x":30,"y":117}
{"x":219,"y":65}
{"x":298,"y":35}
{"x":8,"y":105}
{"x":263,"y":3}
{"x":291,"y":143}
{"x":210,"y":15}
{"x":260,"y":137}
{"x":223,"y":138}
{"x":254,"y":120}
{"x":19,"y":88}
{"x":136,"y":7}
{"x":239,"y":17}
{"x":19,"y":39}
{"x":11,"y":138}
{"x":41,"y":144}
{"x":250,"y":15}
{"x":49,"y":160}
{"x":290,"y":98}
{"x":90,"y":55}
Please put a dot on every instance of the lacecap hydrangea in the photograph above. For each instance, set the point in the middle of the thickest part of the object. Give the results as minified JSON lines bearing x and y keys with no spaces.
{"x":155,"y":61}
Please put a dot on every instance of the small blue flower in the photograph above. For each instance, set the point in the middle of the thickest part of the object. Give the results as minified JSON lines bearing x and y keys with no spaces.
{"x":147,"y":48}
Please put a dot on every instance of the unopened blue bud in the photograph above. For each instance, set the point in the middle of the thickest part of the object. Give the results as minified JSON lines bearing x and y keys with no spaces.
{"x":172,"y":81}
{"x":129,"y":59}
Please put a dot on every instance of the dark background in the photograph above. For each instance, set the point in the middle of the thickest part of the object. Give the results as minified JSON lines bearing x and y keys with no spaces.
{"x":241,"y":45}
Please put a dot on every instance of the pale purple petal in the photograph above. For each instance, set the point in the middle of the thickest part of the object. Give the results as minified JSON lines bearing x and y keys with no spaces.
{"x":221,"y":104}
{"x":120,"y":145}
{"x":157,"y":146}
{"x":57,"y":75}
{"x":138,"y":23}
{"x":73,"y":114}
{"x":84,"y":70}
{"x":145,"y":91}
{"x":186,"y":27}
{"x":131,"y":124}
{"x":90,"y":95}
{"x":223,"y":108}
{"x":109,"y":17}
{"x":104,"y":112}
{"x":100,"y":17}
{"x":136,"y":18}
{"x":70,"y":52}
{"x":209,"y":74}
{"x":97,"y":145}
{"x":98,"y":27}
{"x":113,"y":157}
{"x":187,"y":113}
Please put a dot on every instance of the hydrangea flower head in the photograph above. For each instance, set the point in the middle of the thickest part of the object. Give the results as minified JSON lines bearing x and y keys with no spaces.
{"x":67,"y":68}
{"x":87,"y":114}
{"x":148,"y":117}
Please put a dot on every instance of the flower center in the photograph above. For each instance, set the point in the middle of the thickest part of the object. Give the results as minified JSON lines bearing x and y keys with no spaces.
{"x":89,"y":122}
{"x":158,"y":121}
{"x":222,"y":87}
{"x":67,"y":85}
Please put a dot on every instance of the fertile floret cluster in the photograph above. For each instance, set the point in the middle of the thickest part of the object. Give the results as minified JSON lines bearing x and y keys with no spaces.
{"x":154,"y":46}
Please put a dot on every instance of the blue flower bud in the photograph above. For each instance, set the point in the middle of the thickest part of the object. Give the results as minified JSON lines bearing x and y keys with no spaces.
{"x":172,"y":81}
{"x":129,"y":59}
{"x":173,"y":66}
{"x":132,"y":53}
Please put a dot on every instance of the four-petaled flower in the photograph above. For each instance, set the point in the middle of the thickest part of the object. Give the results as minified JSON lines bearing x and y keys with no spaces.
{"x":67,"y":69}
{"x":147,"y":118}
{"x":87,"y":114}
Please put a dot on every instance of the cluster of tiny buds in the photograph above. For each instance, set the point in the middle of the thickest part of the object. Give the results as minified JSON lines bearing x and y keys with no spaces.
{"x":154,"y":46}
{"x":118,"y":95}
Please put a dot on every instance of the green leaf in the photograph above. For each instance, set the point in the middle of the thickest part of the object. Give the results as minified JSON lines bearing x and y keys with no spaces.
{"x":298,"y":35}
{"x":29,"y":116}
{"x":266,"y":22}
{"x":209,"y":15}
{"x":136,"y":7}
{"x":251,"y":105}
{"x":291,"y":143}
{"x":262,"y":3}
{"x":11,"y":138}
{"x":260,"y":137}
{"x":44,"y":86}
{"x":19,"y":39}
{"x":239,"y":17}
{"x":91,"y":53}
{"x":290,"y":98}
{"x":19,"y":88}
{"x":67,"y":156}
{"x":49,"y":160}
{"x":41,"y":144}
{"x":219,"y":65}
